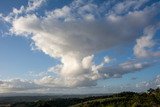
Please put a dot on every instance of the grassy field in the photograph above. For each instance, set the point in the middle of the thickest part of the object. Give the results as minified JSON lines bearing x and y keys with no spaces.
{"x":100,"y":101}
{"x":126,"y":99}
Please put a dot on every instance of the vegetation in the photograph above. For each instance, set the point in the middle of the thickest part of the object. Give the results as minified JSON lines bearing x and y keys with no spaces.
{"x":125,"y":99}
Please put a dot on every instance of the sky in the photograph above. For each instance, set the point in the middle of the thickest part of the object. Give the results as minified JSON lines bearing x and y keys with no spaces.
{"x":79,"y":46}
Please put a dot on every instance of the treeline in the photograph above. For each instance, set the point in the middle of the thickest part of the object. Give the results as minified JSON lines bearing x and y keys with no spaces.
{"x":151,"y":98}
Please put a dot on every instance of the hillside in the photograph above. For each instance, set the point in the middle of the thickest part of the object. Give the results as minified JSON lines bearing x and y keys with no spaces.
{"x":126,"y":99}
{"x":151,"y":98}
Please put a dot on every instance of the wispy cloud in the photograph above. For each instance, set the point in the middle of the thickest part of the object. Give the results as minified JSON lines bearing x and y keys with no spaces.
{"x":145,"y":42}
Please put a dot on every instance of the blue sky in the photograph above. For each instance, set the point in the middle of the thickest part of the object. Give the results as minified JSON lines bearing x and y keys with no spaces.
{"x":52,"y":46}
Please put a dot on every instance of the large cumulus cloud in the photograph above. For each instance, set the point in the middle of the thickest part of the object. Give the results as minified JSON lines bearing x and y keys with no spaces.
{"x":74,"y":33}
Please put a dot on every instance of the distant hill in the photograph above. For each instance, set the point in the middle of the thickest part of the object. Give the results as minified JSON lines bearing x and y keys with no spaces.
{"x":151,"y":98}
{"x":125,"y":99}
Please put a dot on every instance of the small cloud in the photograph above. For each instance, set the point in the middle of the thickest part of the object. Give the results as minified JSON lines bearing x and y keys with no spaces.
{"x":141,"y":49}
{"x":107,"y":59}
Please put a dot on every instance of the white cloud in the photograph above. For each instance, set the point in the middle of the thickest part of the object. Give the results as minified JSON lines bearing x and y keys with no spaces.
{"x":34,"y":4}
{"x":141,"y":49}
{"x":55,"y":69}
{"x":74,"y":32}
{"x":15,"y":85}
{"x":92,"y":73}
{"x":145,"y":85}
{"x":87,"y":62}
{"x":73,"y":41}
{"x":119,"y":70}
{"x":107,"y":59}
{"x":129,"y":5}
